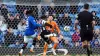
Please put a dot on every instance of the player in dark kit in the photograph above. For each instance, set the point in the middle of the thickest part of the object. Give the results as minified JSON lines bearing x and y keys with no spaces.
{"x":48,"y":34}
{"x":86,"y":22}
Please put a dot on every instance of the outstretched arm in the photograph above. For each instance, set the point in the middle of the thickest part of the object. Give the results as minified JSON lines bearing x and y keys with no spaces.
{"x":32,"y":20}
{"x":57,"y":28}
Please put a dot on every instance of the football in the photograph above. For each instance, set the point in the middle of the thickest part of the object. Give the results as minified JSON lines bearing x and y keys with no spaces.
{"x":67,"y":28}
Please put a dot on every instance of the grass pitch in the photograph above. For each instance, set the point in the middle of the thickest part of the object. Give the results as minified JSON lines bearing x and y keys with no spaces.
{"x":53,"y":55}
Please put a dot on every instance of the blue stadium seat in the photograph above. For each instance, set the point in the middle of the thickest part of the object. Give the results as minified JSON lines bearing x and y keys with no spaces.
{"x":12,"y":9}
{"x":96,"y":27}
{"x":98,"y":15}
{"x":79,"y":8}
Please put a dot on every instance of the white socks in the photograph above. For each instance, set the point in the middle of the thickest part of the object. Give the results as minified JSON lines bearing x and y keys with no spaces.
{"x":32,"y":47}
{"x":53,"y":50}
{"x":21,"y":51}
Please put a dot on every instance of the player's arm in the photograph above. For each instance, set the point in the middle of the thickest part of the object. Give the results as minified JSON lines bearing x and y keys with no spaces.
{"x":57,"y":28}
{"x":32,"y":20}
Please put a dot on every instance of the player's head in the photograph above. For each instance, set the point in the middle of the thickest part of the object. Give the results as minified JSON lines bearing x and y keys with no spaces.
{"x":86,"y":6}
{"x":25,"y":11}
{"x":43,"y":17}
{"x":30,"y":12}
{"x":50,"y":17}
{"x":48,"y":26}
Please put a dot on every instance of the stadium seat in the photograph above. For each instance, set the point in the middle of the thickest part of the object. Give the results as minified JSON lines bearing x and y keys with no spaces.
{"x":12,"y":9}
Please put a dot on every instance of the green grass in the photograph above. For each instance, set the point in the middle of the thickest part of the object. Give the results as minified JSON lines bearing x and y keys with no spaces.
{"x":53,"y":55}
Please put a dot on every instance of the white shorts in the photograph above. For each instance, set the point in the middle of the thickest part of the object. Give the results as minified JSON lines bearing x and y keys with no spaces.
{"x":28,"y":38}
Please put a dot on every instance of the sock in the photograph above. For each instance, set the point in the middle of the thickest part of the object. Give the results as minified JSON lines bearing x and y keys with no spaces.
{"x":32,"y":47}
{"x":53,"y":50}
{"x":88,"y":51}
{"x":21,"y":51}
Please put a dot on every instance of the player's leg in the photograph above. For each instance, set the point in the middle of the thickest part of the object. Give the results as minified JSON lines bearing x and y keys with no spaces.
{"x":88,"y":37}
{"x":24,"y":46}
{"x":83,"y":39}
{"x":55,"y":40}
{"x":34,"y":42}
{"x":84,"y":44}
{"x":45,"y":49}
{"x":89,"y":48}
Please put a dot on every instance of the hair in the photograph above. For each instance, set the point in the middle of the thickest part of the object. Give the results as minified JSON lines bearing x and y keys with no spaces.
{"x":86,"y":6}
{"x":30,"y":12}
{"x":46,"y":24}
{"x":43,"y":17}
{"x":51,"y":15}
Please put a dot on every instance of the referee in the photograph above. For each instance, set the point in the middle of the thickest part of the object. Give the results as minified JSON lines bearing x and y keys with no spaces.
{"x":86,"y":23}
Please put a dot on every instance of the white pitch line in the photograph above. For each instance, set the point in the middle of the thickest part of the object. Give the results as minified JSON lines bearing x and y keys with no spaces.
{"x":64,"y":50}
{"x":42,"y":53}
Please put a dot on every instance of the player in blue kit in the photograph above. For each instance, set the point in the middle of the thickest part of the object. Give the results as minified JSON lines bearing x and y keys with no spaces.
{"x":31,"y":25}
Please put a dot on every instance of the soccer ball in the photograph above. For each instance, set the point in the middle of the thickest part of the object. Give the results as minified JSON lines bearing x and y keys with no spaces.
{"x":67,"y":28}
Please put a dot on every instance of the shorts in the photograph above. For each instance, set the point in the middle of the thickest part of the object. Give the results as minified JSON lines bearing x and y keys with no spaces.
{"x":44,"y":34}
{"x":28,"y":38}
{"x":48,"y":40}
{"x":86,"y":35}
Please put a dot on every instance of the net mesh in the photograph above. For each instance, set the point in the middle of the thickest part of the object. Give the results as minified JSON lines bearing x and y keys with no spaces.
{"x":12,"y":24}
